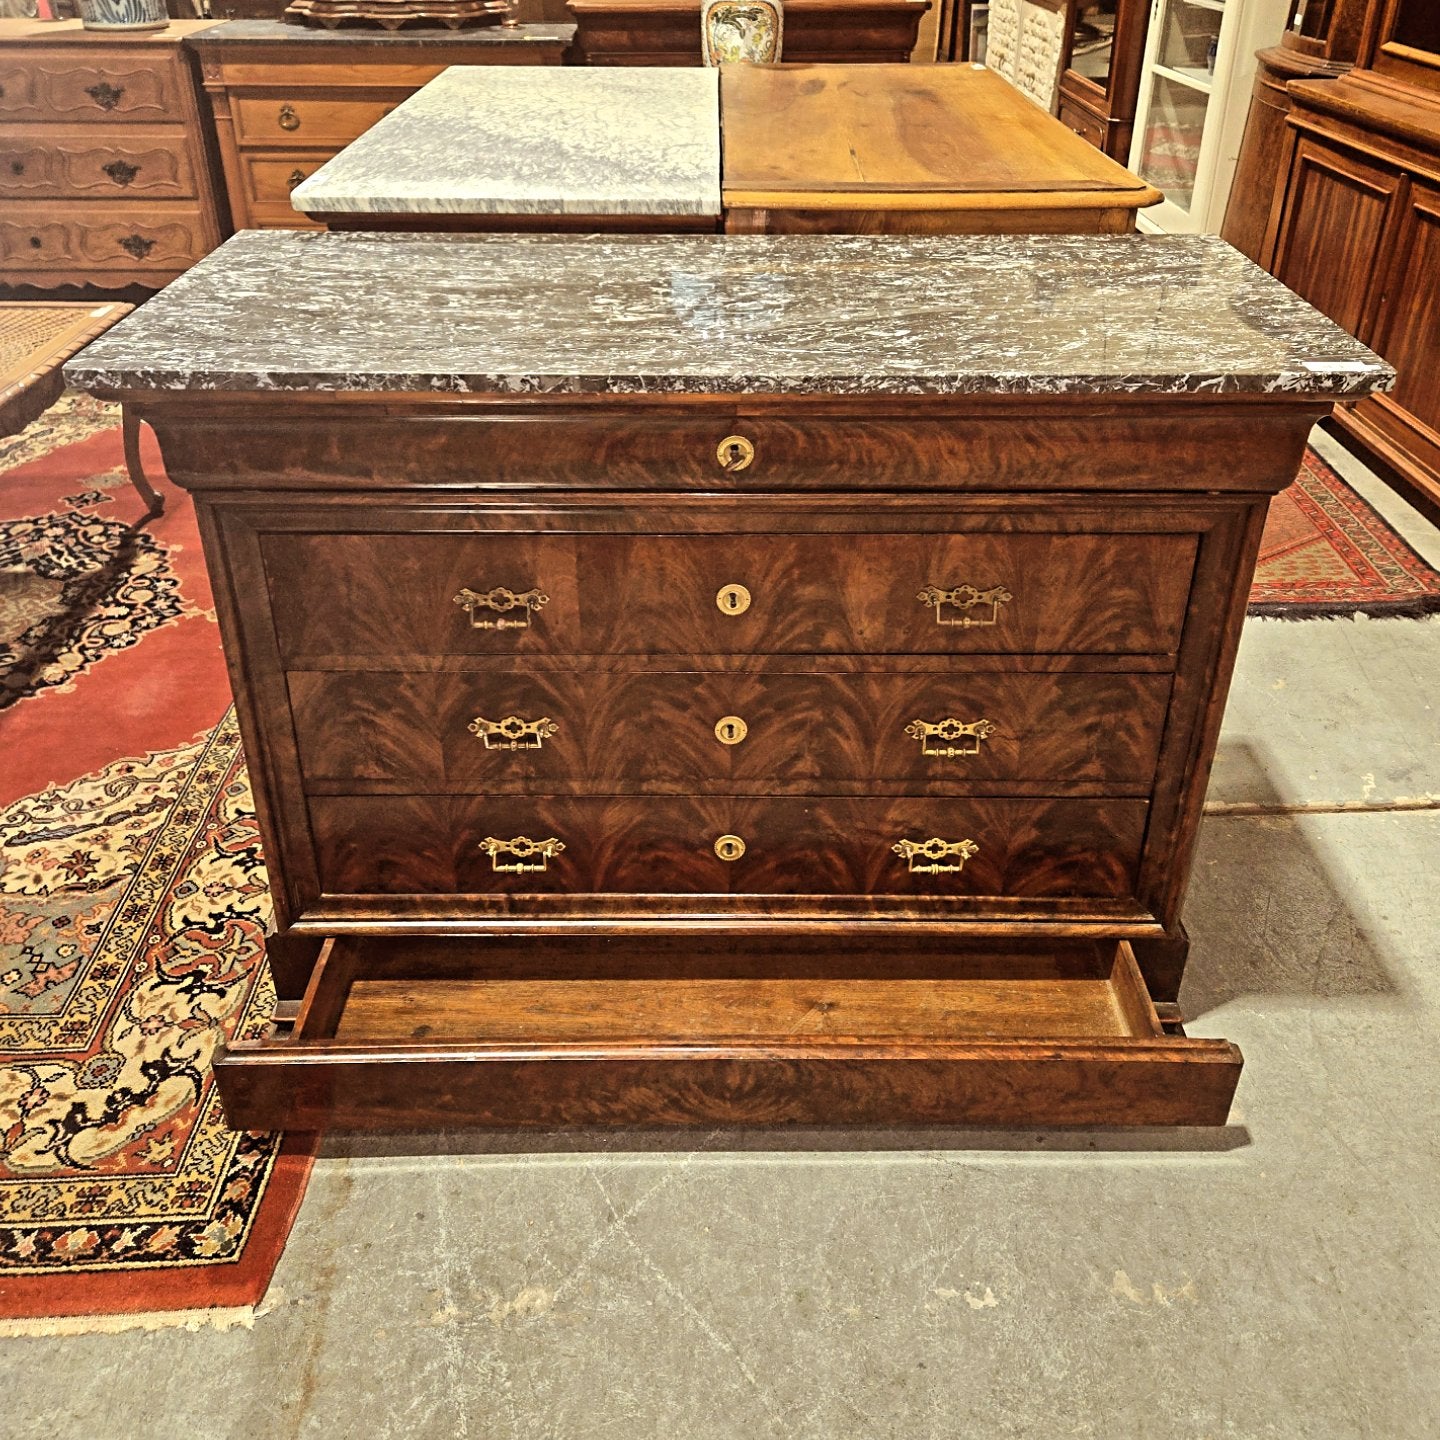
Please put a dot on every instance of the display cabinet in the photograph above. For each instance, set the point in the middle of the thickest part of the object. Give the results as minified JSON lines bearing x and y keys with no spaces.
{"x":1100,"y":82}
{"x":1199,"y":54}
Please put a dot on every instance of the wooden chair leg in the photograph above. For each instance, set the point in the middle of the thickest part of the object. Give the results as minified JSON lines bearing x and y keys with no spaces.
{"x":130,"y":431}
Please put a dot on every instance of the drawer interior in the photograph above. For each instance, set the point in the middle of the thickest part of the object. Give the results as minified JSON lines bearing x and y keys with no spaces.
{"x":404,"y":1032}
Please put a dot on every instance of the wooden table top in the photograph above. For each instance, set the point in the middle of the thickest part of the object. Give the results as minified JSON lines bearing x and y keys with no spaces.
{"x":937,"y":136}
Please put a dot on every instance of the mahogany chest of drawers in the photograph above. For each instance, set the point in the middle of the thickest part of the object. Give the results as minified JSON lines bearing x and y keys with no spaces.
{"x":287,"y":97}
{"x":685,"y":680}
{"x":106,"y":175}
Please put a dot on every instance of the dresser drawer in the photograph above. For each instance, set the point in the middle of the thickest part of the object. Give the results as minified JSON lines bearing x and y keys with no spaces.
{"x":54,"y":86}
{"x":59,"y":162}
{"x":638,"y":732}
{"x":293,"y":121}
{"x":270,"y":177}
{"x":490,"y":593}
{"x":92,"y":236}
{"x":485,"y":845}
{"x":400,"y":1033}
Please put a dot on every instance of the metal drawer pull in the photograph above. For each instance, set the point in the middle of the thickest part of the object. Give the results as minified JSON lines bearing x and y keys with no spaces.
{"x":733,"y":599}
{"x":513,"y":733}
{"x":501,"y":601}
{"x":940,"y":738}
{"x":121,"y":172}
{"x":288,"y":119}
{"x":106,"y":96}
{"x":931,"y":857}
{"x":529,"y":857}
{"x":966,"y":598}
{"x":734,"y":453}
{"x":729,"y":847}
{"x":731,"y":730}
{"x":294,"y":178}
{"x":137,"y":245}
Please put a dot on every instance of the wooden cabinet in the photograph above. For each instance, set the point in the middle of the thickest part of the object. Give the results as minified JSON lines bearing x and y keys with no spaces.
{"x":1321,"y":42}
{"x":1100,"y":78}
{"x":1354,"y":227}
{"x":286,"y":98}
{"x":1340,"y":211}
{"x":107,"y":177}
{"x":667,"y":32}
{"x":638,"y":740}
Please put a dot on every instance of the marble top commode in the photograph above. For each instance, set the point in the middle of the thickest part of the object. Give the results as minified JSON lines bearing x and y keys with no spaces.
{"x":824,"y":314}
{"x":492,"y":140}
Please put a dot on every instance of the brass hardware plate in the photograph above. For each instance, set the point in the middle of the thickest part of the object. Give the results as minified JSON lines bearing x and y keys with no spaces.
{"x":731,"y":730}
{"x":947,"y":739}
{"x":513,"y":733}
{"x":729,"y":847}
{"x":528,"y":856}
{"x":935,"y":856}
{"x":734,"y":453}
{"x":288,"y":119}
{"x":500,"y":601}
{"x":972,"y":606}
{"x":733,"y":599}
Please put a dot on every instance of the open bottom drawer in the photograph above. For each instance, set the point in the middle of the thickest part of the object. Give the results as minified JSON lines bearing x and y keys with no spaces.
{"x":428,"y":1033}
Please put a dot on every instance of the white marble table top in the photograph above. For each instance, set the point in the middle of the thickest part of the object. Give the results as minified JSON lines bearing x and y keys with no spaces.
{"x":500,"y":140}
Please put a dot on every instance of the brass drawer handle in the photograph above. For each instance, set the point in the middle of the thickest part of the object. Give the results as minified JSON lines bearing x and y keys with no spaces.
{"x":121,"y":172}
{"x":932,"y":857}
{"x":966,"y":598}
{"x":529,"y":857}
{"x":729,"y":847}
{"x":137,"y":245}
{"x":513,"y":733}
{"x":734,"y":453}
{"x":948,"y":739}
{"x":105,"y":95}
{"x":294,"y":178}
{"x":731,"y":730}
{"x":288,"y":119}
{"x":733,"y":599}
{"x":501,"y":601}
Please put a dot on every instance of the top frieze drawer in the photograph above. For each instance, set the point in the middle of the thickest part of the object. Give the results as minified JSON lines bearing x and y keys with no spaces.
{"x":50,"y":86}
{"x":1004,"y":450}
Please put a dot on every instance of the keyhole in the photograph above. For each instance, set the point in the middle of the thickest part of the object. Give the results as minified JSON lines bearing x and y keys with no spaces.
{"x":734,"y":452}
{"x":733,"y":599}
{"x":731,"y":730}
{"x":729,"y":847}
{"x":17,"y":167}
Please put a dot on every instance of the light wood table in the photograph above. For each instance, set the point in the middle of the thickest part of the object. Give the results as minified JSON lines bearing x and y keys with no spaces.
{"x":939,"y":149}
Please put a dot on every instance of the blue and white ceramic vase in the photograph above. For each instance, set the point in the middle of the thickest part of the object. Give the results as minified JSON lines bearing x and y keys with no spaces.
{"x":123,"y":14}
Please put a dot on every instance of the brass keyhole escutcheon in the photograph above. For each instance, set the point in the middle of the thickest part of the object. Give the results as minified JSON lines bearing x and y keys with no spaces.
{"x":734,"y":452}
{"x":295,"y":177}
{"x":733,"y":599}
{"x":731,"y":730}
{"x":729,"y":847}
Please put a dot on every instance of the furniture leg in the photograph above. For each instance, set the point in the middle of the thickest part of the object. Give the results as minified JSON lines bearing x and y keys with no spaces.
{"x":130,"y":430}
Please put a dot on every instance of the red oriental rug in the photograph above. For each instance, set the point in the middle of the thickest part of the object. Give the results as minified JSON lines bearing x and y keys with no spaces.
{"x":1325,"y":552}
{"x":132,"y":904}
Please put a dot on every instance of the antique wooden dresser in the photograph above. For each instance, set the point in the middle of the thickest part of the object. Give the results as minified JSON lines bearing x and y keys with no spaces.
{"x":286,"y":97}
{"x":758,"y":678}
{"x":107,"y":176}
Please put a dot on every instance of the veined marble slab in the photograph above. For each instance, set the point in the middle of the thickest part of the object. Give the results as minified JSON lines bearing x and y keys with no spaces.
{"x":501,"y":140}
{"x":761,"y":314}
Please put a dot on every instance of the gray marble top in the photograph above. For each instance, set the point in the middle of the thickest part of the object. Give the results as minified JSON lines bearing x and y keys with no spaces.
{"x":253,"y":31}
{"x":505,"y":140}
{"x":824,"y":314}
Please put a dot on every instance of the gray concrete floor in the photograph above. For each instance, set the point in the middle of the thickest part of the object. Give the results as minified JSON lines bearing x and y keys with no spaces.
{"x":1278,"y":1278}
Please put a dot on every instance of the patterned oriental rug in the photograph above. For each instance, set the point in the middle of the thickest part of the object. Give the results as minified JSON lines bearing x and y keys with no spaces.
{"x":1325,"y":552}
{"x":132,"y":889}
{"x":132,"y":904}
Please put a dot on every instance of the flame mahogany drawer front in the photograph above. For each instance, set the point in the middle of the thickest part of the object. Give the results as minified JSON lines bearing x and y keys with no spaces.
{"x":489,"y":593}
{"x":639,"y":731}
{"x":724,"y":845}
